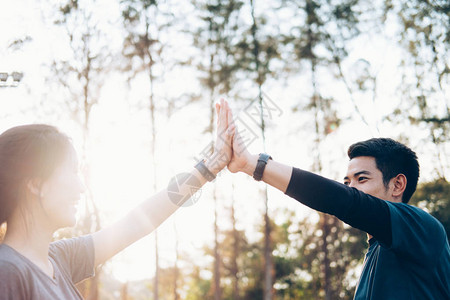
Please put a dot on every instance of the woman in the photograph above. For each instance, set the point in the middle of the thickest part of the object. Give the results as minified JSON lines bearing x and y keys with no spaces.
{"x":39,"y":188}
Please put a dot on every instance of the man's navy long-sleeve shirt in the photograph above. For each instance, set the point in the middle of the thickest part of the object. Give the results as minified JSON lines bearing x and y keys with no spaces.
{"x":409,"y":254}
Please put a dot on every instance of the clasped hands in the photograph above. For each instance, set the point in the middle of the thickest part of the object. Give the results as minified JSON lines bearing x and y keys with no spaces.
{"x":229,"y":147}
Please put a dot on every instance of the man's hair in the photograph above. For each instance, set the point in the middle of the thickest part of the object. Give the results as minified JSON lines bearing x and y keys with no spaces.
{"x":392,"y":158}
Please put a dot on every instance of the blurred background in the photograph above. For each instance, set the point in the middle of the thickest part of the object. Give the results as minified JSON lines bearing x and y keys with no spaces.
{"x":134,"y":83}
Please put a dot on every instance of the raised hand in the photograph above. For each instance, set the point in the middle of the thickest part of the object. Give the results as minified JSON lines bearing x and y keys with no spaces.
{"x":222,"y":146}
{"x":240,"y":155}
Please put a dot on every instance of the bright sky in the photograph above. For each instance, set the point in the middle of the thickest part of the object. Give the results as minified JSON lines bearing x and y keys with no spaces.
{"x":120,"y":144}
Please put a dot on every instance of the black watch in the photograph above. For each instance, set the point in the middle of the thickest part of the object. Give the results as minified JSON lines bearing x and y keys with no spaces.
{"x":201,"y":167}
{"x":261,"y":165}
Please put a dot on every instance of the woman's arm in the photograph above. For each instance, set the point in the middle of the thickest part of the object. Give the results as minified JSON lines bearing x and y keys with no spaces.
{"x":148,"y":215}
{"x":140,"y":221}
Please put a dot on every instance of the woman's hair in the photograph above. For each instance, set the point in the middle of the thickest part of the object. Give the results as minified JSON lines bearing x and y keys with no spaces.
{"x":27,"y":152}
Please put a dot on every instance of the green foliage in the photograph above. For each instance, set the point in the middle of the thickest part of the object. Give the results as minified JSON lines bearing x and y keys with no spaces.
{"x":298,"y":260}
{"x":425,"y":38}
{"x":434,"y":196}
{"x":259,"y":48}
{"x":69,"y":7}
{"x":245,"y":43}
{"x":198,"y":287}
{"x":217,"y":37}
{"x":344,"y":251}
{"x":145,"y":22}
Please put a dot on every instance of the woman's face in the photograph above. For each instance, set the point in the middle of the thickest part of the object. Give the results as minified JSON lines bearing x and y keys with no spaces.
{"x":61,"y":192}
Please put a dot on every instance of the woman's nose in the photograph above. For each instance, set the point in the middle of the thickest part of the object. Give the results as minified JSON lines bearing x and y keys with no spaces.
{"x":81,"y":185}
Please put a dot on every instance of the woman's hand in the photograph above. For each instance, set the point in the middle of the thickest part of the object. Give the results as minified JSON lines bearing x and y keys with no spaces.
{"x":222,"y":147}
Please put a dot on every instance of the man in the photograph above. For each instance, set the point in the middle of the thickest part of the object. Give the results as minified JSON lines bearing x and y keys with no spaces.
{"x":409,"y":254}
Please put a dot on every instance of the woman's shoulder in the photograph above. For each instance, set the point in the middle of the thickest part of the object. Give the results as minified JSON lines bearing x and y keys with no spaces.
{"x":15,"y":274}
{"x":67,"y":244}
{"x":68,"y":251}
{"x":12,"y":263}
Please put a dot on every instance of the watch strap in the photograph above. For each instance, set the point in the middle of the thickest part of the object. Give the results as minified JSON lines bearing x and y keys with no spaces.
{"x":261,"y":165}
{"x":206,"y":173}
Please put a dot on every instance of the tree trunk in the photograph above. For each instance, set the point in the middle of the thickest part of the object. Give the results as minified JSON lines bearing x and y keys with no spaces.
{"x":268,"y":262}
{"x":153,"y":147}
{"x":217,"y":289}
{"x":326,"y":261}
{"x":235,"y":251}
{"x":326,"y":272}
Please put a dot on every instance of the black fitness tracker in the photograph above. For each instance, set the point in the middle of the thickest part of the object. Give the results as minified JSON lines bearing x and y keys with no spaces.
{"x":201,"y":167}
{"x":261,"y":165}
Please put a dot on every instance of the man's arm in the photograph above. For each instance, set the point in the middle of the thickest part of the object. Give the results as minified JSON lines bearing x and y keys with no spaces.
{"x":275,"y":174}
{"x":354,"y":207}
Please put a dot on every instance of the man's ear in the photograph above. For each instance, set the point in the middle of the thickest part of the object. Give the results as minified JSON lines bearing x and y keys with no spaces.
{"x":399,"y":185}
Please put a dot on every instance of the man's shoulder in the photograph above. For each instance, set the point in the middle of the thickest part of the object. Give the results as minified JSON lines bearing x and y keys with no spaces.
{"x":413,"y":224}
{"x":408,"y":211}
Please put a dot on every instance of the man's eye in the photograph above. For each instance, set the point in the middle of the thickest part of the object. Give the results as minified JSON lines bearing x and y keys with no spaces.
{"x":346,"y":182}
{"x":362,"y":178}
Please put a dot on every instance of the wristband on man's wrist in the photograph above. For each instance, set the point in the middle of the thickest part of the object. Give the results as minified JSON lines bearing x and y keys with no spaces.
{"x":203,"y":169}
{"x":260,"y":166}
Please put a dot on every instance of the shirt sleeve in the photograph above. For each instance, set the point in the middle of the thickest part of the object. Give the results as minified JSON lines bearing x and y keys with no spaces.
{"x":350,"y":205}
{"x":13,"y":285}
{"x":416,"y":235}
{"x":77,"y":256}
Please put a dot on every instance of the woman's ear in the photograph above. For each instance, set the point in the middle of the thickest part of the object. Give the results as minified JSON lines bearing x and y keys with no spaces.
{"x":34,"y":187}
{"x":399,"y":183}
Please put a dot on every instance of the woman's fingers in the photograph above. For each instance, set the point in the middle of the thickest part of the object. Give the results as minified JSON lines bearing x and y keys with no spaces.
{"x":225,"y":124}
{"x":227,"y":109}
{"x":217,"y":111}
{"x":222,"y":116}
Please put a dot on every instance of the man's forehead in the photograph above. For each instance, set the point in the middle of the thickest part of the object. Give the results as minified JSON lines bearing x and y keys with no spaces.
{"x":361,"y":164}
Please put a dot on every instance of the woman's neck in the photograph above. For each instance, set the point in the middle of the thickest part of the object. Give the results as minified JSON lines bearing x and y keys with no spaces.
{"x":31,"y":239}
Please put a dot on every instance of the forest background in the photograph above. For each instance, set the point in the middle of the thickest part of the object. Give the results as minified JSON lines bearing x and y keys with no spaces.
{"x":134,"y":83}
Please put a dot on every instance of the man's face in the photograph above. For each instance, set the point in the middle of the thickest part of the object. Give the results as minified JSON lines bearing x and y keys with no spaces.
{"x":363,"y":174}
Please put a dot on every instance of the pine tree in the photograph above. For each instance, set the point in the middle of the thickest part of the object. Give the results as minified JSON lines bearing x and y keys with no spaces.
{"x":143,"y":50}
{"x":81,"y":76}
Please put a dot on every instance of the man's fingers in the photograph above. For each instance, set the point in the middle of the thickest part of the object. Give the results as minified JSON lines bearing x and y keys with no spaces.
{"x":231,"y":132}
{"x":237,"y":139}
{"x":230,"y":120}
